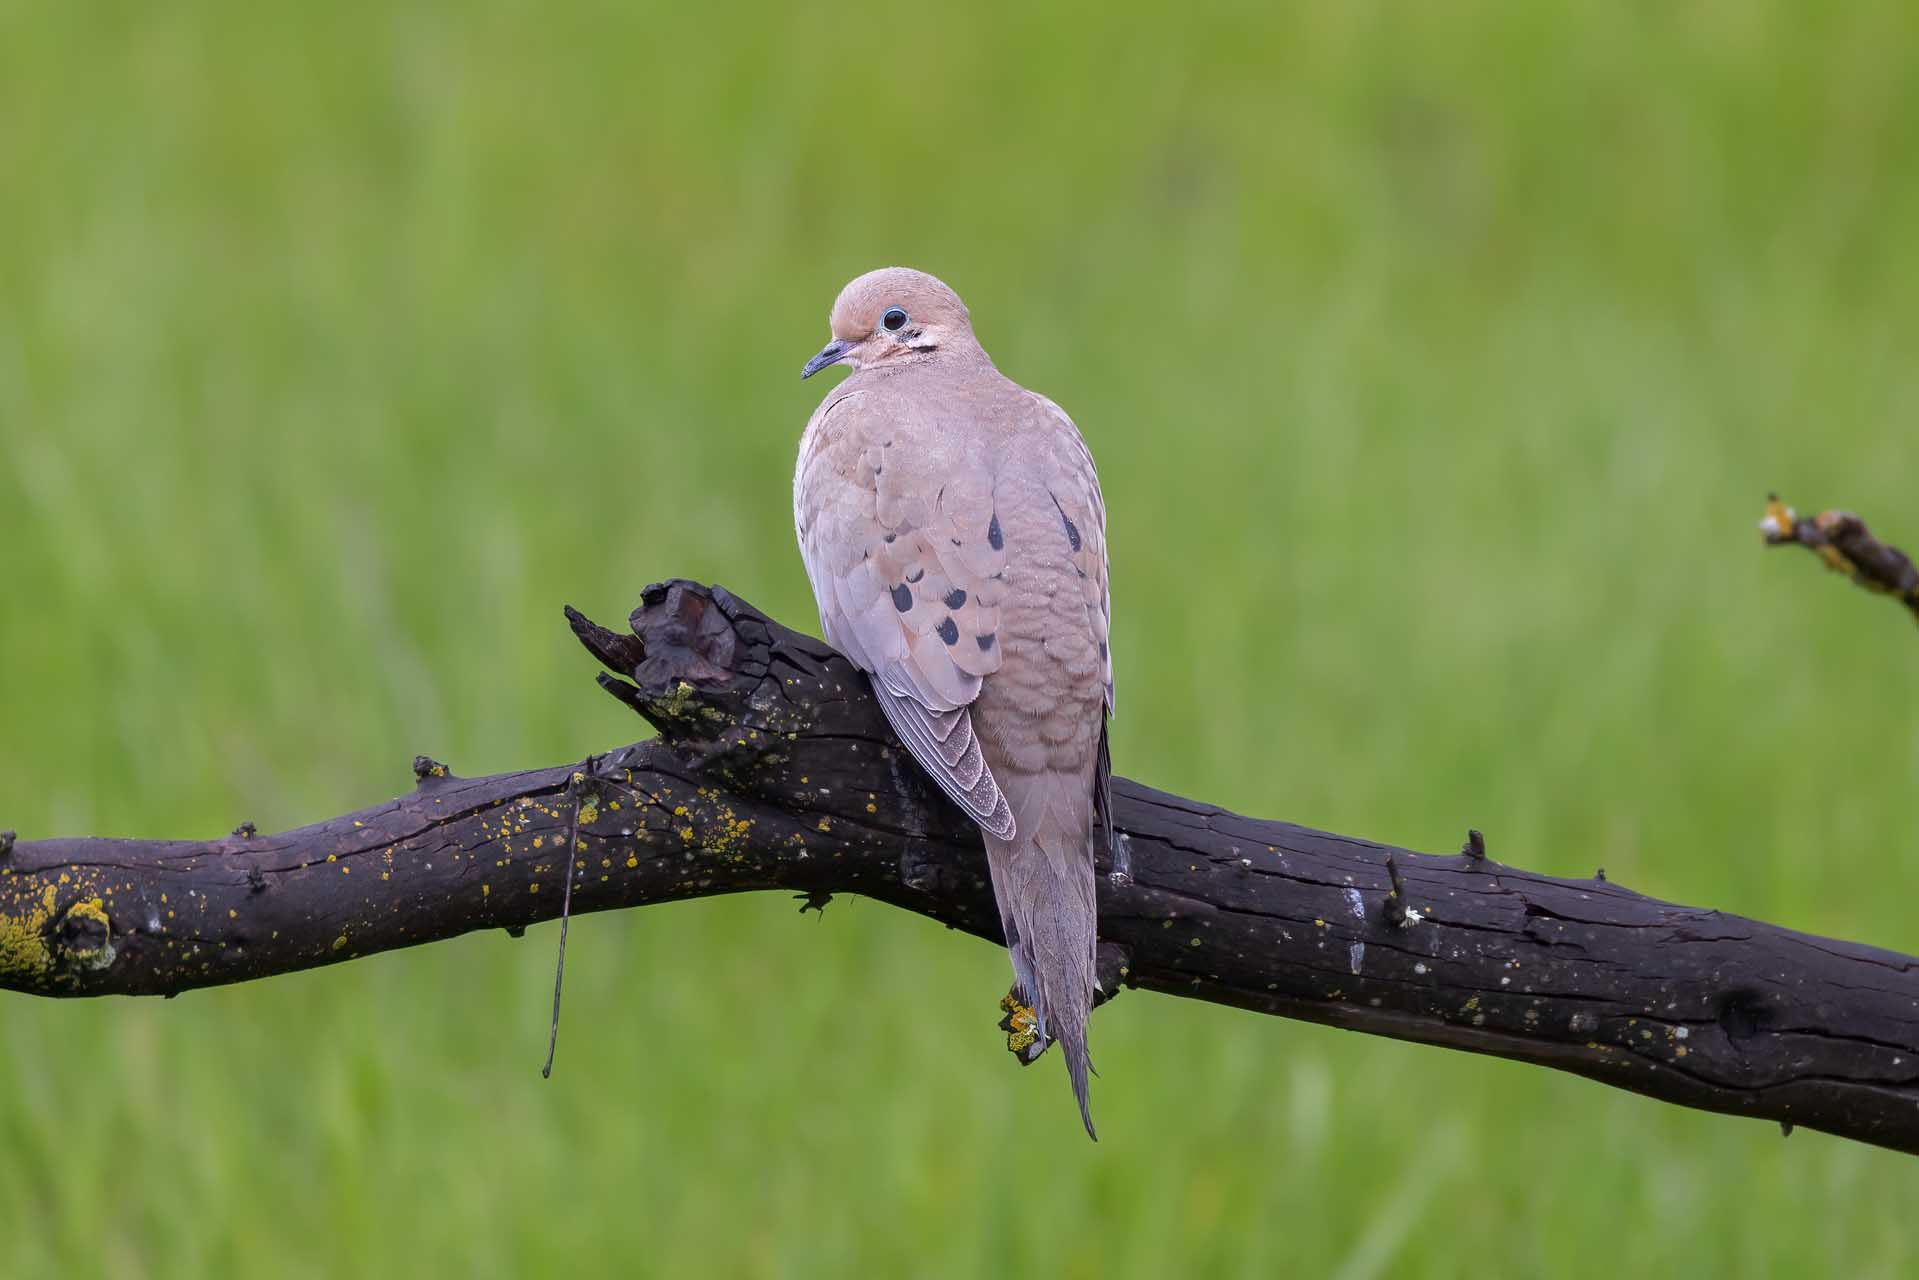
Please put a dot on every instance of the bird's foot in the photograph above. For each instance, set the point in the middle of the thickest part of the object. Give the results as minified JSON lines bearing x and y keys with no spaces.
{"x":1021,"y":1025}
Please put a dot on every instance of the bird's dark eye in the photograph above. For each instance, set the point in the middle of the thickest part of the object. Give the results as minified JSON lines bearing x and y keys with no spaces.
{"x":894,"y":320}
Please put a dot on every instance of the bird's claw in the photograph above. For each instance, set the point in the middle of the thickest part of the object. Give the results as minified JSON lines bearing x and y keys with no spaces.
{"x":1021,"y":1025}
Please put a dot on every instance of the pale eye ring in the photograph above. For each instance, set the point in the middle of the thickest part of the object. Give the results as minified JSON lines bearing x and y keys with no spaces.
{"x":894,"y":319}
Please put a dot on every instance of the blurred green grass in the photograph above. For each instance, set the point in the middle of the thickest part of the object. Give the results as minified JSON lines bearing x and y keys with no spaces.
{"x":1437,"y":360}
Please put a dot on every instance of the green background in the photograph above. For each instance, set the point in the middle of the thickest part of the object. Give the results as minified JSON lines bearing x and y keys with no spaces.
{"x":1437,"y":359}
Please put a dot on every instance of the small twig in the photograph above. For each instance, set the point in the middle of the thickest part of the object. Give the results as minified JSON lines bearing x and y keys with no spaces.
{"x":1842,"y":540}
{"x":814,"y":900}
{"x":246,"y":831}
{"x":425,"y":767}
{"x":1475,"y":846}
{"x":6,"y":842}
{"x":1397,"y":911}
{"x":576,"y":787}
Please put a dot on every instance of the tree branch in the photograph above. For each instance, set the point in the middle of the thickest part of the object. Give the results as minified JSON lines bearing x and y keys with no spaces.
{"x":774,"y":770}
{"x":1843,"y":542}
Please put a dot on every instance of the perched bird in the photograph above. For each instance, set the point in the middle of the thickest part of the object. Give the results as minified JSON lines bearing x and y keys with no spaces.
{"x":953,"y":529}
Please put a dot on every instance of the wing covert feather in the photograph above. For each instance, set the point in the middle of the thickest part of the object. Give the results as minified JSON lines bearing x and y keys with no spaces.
{"x":903,"y":569}
{"x":1075,"y":488}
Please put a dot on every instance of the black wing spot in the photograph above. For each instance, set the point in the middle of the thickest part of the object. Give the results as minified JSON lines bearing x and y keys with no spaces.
{"x":985,"y":642}
{"x":902,"y":598}
{"x":891,"y":536}
{"x":956,"y":598}
{"x":916,"y":575}
{"x":994,"y":538}
{"x":949,"y":630}
{"x":1102,"y":651}
{"x":1072,"y":530}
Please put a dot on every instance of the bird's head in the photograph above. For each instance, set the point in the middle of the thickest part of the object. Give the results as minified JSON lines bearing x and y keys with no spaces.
{"x":893,"y":317}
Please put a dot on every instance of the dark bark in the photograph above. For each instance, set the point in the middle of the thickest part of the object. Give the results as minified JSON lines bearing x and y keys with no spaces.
{"x":774,"y":770}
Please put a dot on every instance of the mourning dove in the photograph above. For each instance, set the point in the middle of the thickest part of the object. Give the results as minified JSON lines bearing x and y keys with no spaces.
{"x":953,"y":529}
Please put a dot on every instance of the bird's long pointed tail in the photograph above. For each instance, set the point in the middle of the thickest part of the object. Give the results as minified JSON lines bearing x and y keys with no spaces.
{"x":1043,"y":880}
{"x":1072,"y":1042}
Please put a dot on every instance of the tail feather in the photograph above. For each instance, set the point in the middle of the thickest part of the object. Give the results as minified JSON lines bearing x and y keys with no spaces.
{"x":1072,"y":1040}
{"x":1043,"y":881}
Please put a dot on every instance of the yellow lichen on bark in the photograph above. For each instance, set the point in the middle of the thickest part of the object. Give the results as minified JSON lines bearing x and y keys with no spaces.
{"x":23,"y":936}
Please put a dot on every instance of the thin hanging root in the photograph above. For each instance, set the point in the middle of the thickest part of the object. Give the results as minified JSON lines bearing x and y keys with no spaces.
{"x":576,"y":788}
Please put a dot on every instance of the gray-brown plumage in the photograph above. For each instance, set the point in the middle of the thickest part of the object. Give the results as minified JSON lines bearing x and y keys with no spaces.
{"x":952,"y":526}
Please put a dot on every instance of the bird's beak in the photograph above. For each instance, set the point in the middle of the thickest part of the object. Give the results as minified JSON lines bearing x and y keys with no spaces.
{"x":832,"y":353}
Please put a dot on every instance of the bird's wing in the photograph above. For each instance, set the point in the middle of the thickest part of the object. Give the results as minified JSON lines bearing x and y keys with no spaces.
{"x":905,"y":554}
{"x":1072,"y":481}
{"x":1074,"y":486}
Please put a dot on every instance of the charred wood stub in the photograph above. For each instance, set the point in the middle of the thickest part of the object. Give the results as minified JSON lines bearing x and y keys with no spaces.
{"x":776,"y":715}
{"x":774,"y":770}
{"x":1843,"y":542}
{"x":697,"y":673}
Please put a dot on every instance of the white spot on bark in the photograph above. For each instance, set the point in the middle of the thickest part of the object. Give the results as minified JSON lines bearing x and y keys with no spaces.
{"x":1357,"y":954}
{"x":1357,"y":903}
